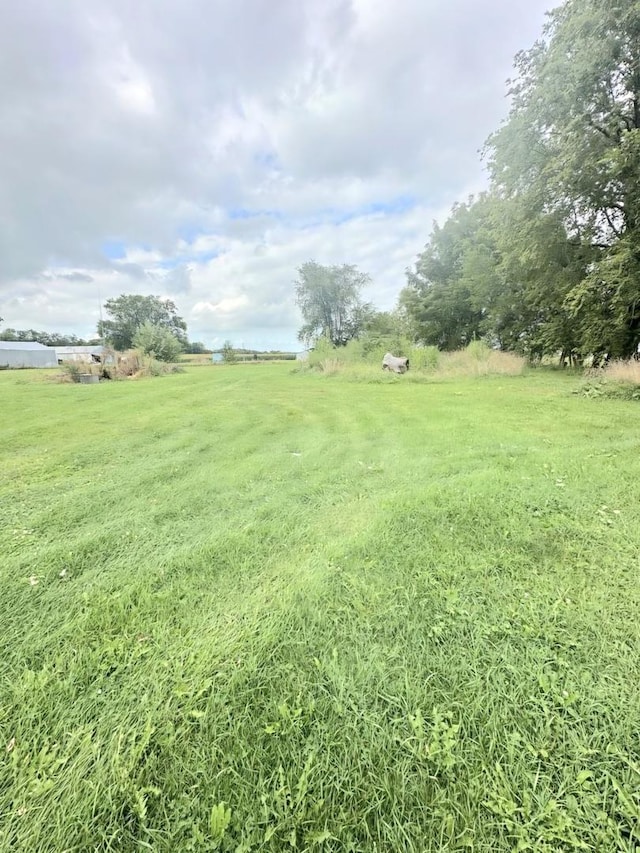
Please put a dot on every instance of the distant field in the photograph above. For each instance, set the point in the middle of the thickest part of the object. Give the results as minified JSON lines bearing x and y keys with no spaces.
{"x":206,"y":358}
{"x":245,"y":609}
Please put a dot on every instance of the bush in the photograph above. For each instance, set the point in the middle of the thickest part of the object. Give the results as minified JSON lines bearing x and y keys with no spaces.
{"x":135,"y":364}
{"x":158,"y":342}
{"x":228,"y":353}
{"x":322,"y":350}
{"x":71,"y":371}
{"x":424,"y":358}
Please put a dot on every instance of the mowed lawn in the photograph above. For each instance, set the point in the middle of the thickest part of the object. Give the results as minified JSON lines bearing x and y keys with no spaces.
{"x":245,"y":609}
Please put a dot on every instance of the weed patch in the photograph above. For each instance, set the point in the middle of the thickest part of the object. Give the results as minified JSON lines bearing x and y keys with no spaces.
{"x":355,"y":364}
{"x":618,"y":380}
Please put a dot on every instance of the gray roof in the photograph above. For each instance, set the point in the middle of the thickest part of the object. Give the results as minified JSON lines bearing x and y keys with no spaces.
{"x":97,"y":350}
{"x":26,"y":345}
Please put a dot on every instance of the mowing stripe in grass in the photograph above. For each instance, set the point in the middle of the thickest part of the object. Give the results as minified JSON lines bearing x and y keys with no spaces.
{"x":364,"y":616}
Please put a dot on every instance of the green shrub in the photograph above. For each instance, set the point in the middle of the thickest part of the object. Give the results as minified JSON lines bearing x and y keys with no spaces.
{"x":71,"y":370}
{"x":158,"y":342}
{"x":352,"y":353}
{"x":478,"y":351}
{"x":229,"y":355}
{"x":424,"y":358}
{"x":322,"y":350}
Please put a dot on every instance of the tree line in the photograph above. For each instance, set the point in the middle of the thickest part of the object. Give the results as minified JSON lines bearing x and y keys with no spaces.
{"x":49,"y":339}
{"x":547,"y":260}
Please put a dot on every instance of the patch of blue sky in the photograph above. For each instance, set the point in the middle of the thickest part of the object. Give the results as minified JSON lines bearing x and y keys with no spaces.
{"x":248,"y":213}
{"x":189,"y":232}
{"x":115,"y":250}
{"x":268,"y":159}
{"x":399,"y":204}
{"x":336,"y":216}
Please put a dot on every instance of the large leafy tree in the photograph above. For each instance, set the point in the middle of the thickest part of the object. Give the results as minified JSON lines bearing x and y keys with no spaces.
{"x":536,"y":266}
{"x":571,"y":149}
{"x":444,"y":297}
{"x":499,"y":271}
{"x":129,"y":312}
{"x":330,"y":302}
{"x":549,"y":260}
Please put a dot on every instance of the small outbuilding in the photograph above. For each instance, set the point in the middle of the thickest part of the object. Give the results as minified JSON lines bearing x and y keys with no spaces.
{"x":83,"y":354}
{"x":18,"y":354}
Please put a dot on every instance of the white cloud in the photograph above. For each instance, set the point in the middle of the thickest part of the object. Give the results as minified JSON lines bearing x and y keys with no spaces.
{"x":229,"y":306}
{"x":204,"y":150}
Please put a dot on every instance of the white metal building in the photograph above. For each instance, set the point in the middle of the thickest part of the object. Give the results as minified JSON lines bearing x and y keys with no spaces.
{"x":80,"y":354}
{"x":26,"y":354}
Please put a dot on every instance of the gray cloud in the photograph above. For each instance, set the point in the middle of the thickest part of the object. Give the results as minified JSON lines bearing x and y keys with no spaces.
{"x":77,"y":276}
{"x":134,"y":271}
{"x":221,"y":144}
{"x":178,"y":280}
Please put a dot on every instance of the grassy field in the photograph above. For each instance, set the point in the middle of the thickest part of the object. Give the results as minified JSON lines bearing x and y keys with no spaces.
{"x":245,"y":609}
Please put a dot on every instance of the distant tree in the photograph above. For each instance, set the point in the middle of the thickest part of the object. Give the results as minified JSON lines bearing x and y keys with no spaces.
{"x":195,"y":348}
{"x":330,"y":303}
{"x":228,"y":353}
{"x":54,"y":339}
{"x":49,"y":339}
{"x":130,"y":311}
{"x":389,"y":330}
{"x":157,"y":341}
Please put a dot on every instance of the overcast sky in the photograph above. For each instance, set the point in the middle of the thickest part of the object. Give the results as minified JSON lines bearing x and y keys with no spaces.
{"x":204,"y":149}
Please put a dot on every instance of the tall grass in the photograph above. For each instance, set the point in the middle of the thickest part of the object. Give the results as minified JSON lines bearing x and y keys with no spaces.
{"x":356,"y":362}
{"x":623,"y":371}
{"x":243,"y":610}
{"x":479,"y":360}
{"x":617,"y":379}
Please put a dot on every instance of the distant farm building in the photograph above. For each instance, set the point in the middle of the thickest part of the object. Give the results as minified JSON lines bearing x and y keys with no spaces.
{"x":85,"y":355}
{"x":26,"y":354}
